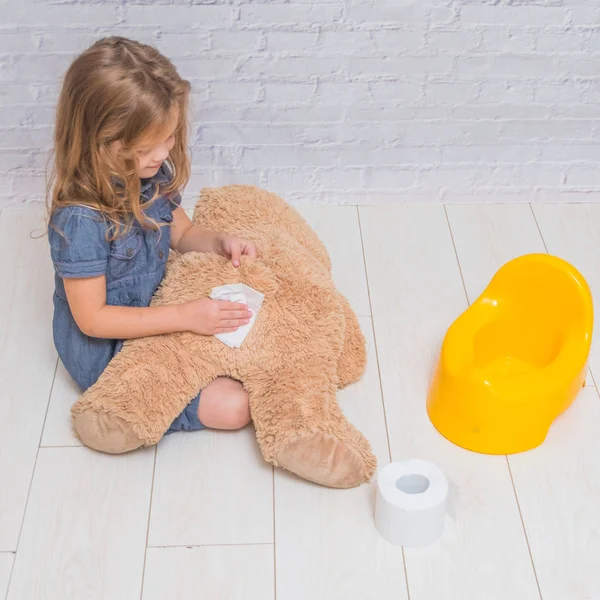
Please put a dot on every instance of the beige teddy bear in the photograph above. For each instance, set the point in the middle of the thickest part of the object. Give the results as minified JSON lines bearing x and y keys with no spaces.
{"x":306,"y":344}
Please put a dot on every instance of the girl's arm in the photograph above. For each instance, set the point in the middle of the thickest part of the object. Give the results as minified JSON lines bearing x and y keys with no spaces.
{"x":187,"y":237}
{"x":87,"y":300}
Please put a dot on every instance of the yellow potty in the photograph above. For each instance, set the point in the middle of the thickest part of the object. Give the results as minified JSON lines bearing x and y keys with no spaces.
{"x":516,"y":359}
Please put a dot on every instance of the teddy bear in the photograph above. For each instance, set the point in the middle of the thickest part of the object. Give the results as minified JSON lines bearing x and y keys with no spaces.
{"x":304,"y":345}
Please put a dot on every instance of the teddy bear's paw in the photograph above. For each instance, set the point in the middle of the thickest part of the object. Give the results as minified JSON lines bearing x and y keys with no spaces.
{"x":104,"y":432}
{"x":325,"y":459}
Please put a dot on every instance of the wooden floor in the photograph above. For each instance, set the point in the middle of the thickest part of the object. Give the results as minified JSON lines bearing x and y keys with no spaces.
{"x":203,"y":517}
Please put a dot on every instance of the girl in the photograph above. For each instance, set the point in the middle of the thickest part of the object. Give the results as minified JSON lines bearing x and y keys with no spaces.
{"x":119,"y":160}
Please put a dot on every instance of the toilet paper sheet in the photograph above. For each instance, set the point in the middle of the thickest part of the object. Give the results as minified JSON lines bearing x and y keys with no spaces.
{"x":238,"y":292}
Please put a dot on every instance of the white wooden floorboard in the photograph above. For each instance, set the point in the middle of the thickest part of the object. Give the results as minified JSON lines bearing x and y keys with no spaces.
{"x":84,"y":532}
{"x":6,"y":563}
{"x":416,"y":292}
{"x":211,"y":487}
{"x":327,"y":546}
{"x":572,"y":232}
{"x":487,"y":236}
{"x":58,"y":430}
{"x":28,"y":359}
{"x":558,"y":483}
{"x":211,"y":573}
{"x":338,"y":228}
{"x":559,"y":493}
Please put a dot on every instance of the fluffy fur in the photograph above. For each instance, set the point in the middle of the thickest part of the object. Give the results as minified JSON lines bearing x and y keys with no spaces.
{"x":305,"y":344}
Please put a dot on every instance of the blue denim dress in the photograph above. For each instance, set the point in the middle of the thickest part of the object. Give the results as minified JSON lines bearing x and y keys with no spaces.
{"x":134,"y":266}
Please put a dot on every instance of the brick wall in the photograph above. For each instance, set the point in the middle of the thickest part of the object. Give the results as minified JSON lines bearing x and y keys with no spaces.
{"x":339,"y":101}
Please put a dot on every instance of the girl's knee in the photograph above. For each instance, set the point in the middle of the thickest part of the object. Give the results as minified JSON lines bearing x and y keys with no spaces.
{"x":224,"y":405}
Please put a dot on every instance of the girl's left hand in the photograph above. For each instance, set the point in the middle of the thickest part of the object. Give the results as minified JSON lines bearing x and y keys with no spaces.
{"x":234,"y":247}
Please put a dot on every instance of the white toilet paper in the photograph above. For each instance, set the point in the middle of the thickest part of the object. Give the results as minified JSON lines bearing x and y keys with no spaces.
{"x":238,"y":292}
{"x":411,"y":503}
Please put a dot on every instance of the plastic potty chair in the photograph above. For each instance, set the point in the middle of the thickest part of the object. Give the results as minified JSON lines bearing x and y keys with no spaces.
{"x":516,"y":359}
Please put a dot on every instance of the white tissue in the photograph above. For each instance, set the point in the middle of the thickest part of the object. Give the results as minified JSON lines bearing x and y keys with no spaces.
{"x":238,"y":292}
{"x":411,"y":503}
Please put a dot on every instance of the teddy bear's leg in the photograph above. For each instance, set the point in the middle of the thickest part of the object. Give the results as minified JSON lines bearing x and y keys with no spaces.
{"x":143,"y":389}
{"x":353,"y":358}
{"x":300,"y":427}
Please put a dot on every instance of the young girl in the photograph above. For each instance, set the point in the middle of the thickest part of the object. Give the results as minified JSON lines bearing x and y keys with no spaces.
{"x":120,"y":159}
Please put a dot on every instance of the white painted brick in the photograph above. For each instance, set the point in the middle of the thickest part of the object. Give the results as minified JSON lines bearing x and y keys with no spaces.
{"x":567,"y":92}
{"x":511,"y":92}
{"x":402,"y":92}
{"x":456,"y":178}
{"x":290,"y":92}
{"x":578,"y":176}
{"x":68,"y":40}
{"x":478,"y":14}
{"x":175,"y":45}
{"x":378,"y":11}
{"x":13,"y":42}
{"x":564,"y":41}
{"x":235,"y":41}
{"x":493,"y":154}
{"x":291,"y":41}
{"x":234,"y":91}
{"x":15,"y":94}
{"x":292,"y":114}
{"x":582,"y":67}
{"x":290,"y":156}
{"x":146,"y":34}
{"x":13,"y":160}
{"x":585,"y":16}
{"x":340,"y":42}
{"x":289,"y":14}
{"x":340,"y":179}
{"x":441,"y":15}
{"x":294,"y":68}
{"x":502,"y":40}
{"x":206,"y":67}
{"x":449,"y":93}
{"x":486,"y":196}
{"x":243,"y":133}
{"x":567,"y":196}
{"x":421,"y":66}
{"x":393,"y":156}
{"x":385,"y":114}
{"x":285,"y":179}
{"x":452,"y":41}
{"x":49,"y":15}
{"x":521,"y":65}
{"x":496,"y":112}
{"x":26,"y":139}
{"x":37,"y":67}
{"x":566,"y":153}
{"x":174,"y":18}
{"x":392,"y":41}
{"x":388,"y":179}
{"x":548,"y":129}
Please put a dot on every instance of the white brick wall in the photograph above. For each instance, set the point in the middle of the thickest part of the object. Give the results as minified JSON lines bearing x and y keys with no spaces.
{"x":339,"y":101}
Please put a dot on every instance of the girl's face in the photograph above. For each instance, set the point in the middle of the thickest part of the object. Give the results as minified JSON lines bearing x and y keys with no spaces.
{"x":154,"y":150}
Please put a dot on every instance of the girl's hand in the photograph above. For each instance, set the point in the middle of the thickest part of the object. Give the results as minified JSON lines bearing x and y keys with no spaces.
{"x":233,"y":247}
{"x":209,"y":317}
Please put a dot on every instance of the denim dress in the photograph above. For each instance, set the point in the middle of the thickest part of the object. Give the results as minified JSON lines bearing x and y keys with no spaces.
{"x":134,"y":266}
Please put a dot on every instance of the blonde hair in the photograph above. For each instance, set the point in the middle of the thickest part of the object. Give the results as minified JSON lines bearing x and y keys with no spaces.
{"x":116,"y":90}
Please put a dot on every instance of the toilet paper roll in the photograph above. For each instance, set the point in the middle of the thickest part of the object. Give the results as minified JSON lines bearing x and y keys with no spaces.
{"x":411,"y":503}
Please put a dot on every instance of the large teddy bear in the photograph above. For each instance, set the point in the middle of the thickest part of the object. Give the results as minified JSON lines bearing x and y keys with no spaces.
{"x":305,"y":344}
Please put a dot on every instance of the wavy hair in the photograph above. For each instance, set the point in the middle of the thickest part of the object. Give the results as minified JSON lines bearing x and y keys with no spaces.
{"x":118,"y":90}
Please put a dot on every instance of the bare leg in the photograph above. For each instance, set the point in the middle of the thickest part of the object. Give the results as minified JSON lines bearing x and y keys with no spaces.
{"x":224,"y":405}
